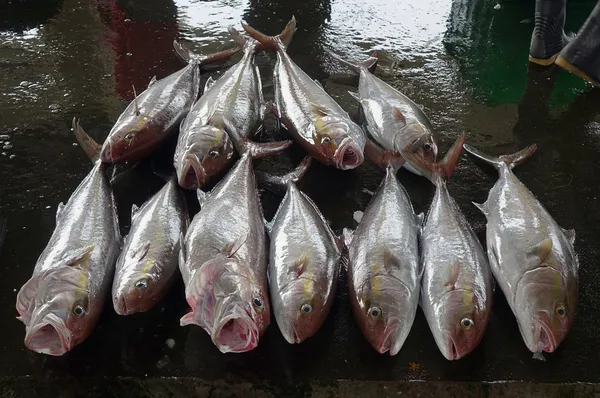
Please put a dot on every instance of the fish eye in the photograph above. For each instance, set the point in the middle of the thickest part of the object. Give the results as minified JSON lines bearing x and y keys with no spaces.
{"x":325,"y":140}
{"x":78,"y":310}
{"x":375,"y":312}
{"x":141,"y":284}
{"x":306,"y":308}
{"x":561,"y":311}
{"x":213,"y":154}
{"x":258,"y":302}
{"x":427,"y":146}
{"x":466,"y":323}
{"x":129,"y":136}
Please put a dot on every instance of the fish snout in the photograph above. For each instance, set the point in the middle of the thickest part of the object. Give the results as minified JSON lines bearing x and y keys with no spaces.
{"x":193,"y":175}
{"x":348,"y":155}
{"x":49,"y":336}
{"x":108,"y":153}
{"x":544,"y":338}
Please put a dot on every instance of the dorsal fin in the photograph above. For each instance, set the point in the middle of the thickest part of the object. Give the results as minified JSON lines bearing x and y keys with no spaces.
{"x":136,"y":108}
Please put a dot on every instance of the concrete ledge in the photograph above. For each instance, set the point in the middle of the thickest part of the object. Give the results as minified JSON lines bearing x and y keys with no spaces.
{"x":32,"y":387}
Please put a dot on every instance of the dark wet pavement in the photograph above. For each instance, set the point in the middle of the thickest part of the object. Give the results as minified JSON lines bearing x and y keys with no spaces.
{"x":463,"y":61}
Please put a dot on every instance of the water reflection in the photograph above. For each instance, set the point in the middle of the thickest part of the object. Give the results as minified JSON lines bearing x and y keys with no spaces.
{"x":141,"y":35}
{"x":18,"y":16}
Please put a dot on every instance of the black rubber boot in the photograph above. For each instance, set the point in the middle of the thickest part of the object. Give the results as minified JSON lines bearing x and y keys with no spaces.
{"x":548,"y":37}
{"x":581,"y":57}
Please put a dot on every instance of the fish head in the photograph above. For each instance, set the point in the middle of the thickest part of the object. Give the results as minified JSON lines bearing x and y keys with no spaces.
{"x":301,"y":306}
{"x":544,"y":305}
{"x":340,"y":140}
{"x":422,"y":144}
{"x":61,"y":315}
{"x":139,"y":289}
{"x":202,"y":154}
{"x":460,"y":320}
{"x":129,"y":139}
{"x":385,"y":312}
{"x":230,"y":304}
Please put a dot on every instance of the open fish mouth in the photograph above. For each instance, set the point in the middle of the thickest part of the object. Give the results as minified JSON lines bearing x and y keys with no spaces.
{"x":236,"y":332}
{"x":193,"y":174}
{"x":50,"y":336}
{"x":545,"y":338}
{"x":348,"y":155}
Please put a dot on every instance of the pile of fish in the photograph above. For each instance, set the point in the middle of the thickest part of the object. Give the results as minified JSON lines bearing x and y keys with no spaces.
{"x":235,"y":275}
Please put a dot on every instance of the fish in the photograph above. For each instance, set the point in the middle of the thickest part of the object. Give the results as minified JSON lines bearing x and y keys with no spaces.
{"x":384,"y":272}
{"x":457,"y":283}
{"x":156,"y":112}
{"x":533,"y":259}
{"x":233,"y":102}
{"x":223,"y":262}
{"x":304,"y":260}
{"x":148,"y":263}
{"x":394,"y":121}
{"x":62,"y":301}
{"x":305,"y":109}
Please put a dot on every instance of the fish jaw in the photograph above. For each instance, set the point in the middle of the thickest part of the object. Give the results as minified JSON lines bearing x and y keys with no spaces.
{"x":192,"y":174}
{"x":544,"y":337}
{"x":49,"y":336}
{"x":348,"y":155}
{"x":236,"y":330}
{"x":106,"y":153}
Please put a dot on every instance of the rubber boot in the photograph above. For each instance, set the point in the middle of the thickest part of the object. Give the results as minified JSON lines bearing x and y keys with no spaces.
{"x":581,"y":57}
{"x":548,"y":37}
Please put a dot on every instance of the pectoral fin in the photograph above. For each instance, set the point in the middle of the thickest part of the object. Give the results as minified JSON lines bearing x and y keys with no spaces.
{"x":319,"y":109}
{"x":72,"y":257}
{"x":453,"y":277}
{"x":140,"y":252}
{"x":537,"y":254}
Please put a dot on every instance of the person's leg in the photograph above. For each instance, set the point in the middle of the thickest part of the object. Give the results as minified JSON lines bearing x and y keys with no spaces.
{"x":582,"y":56}
{"x":548,"y":37}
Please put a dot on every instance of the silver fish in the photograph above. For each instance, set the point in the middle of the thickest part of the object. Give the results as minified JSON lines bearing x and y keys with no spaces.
{"x":155,"y":113}
{"x":313,"y":118}
{"x":62,"y":301}
{"x":383,"y":270}
{"x":304,"y":261}
{"x":224,"y":263}
{"x":233,"y":102}
{"x":532,"y":257}
{"x":148,"y":262}
{"x":456,"y":290}
{"x":393,"y":120}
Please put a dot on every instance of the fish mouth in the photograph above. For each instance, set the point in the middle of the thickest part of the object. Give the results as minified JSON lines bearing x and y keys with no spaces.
{"x":453,"y":352}
{"x":106,"y":153}
{"x":390,"y":341}
{"x":546,"y":340}
{"x":348,"y":155}
{"x":193,"y":175}
{"x":50,"y":336}
{"x":290,"y":334}
{"x":237,"y":332}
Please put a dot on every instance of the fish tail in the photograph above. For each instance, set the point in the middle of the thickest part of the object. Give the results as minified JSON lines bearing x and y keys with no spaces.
{"x":273,"y":43}
{"x":256,"y":149}
{"x":89,"y":145}
{"x":237,"y":36}
{"x":370,"y":64}
{"x":432,"y":170}
{"x":277,"y":183}
{"x":185,"y":54}
{"x":383,"y":158}
{"x":511,"y":160}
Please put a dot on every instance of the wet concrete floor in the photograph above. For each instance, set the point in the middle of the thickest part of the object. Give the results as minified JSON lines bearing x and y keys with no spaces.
{"x":463,"y":61}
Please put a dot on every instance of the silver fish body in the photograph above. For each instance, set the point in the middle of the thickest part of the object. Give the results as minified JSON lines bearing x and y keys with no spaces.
{"x":532,"y":257}
{"x":224,"y":263}
{"x":394,"y":120}
{"x":152,"y":116}
{"x":234,"y":101}
{"x":383,"y":269}
{"x":148,"y":262}
{"x":62,"y":301}
{"x":303,"y":267}
{"x":456,"y":292}
{"x":314,"y":119}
